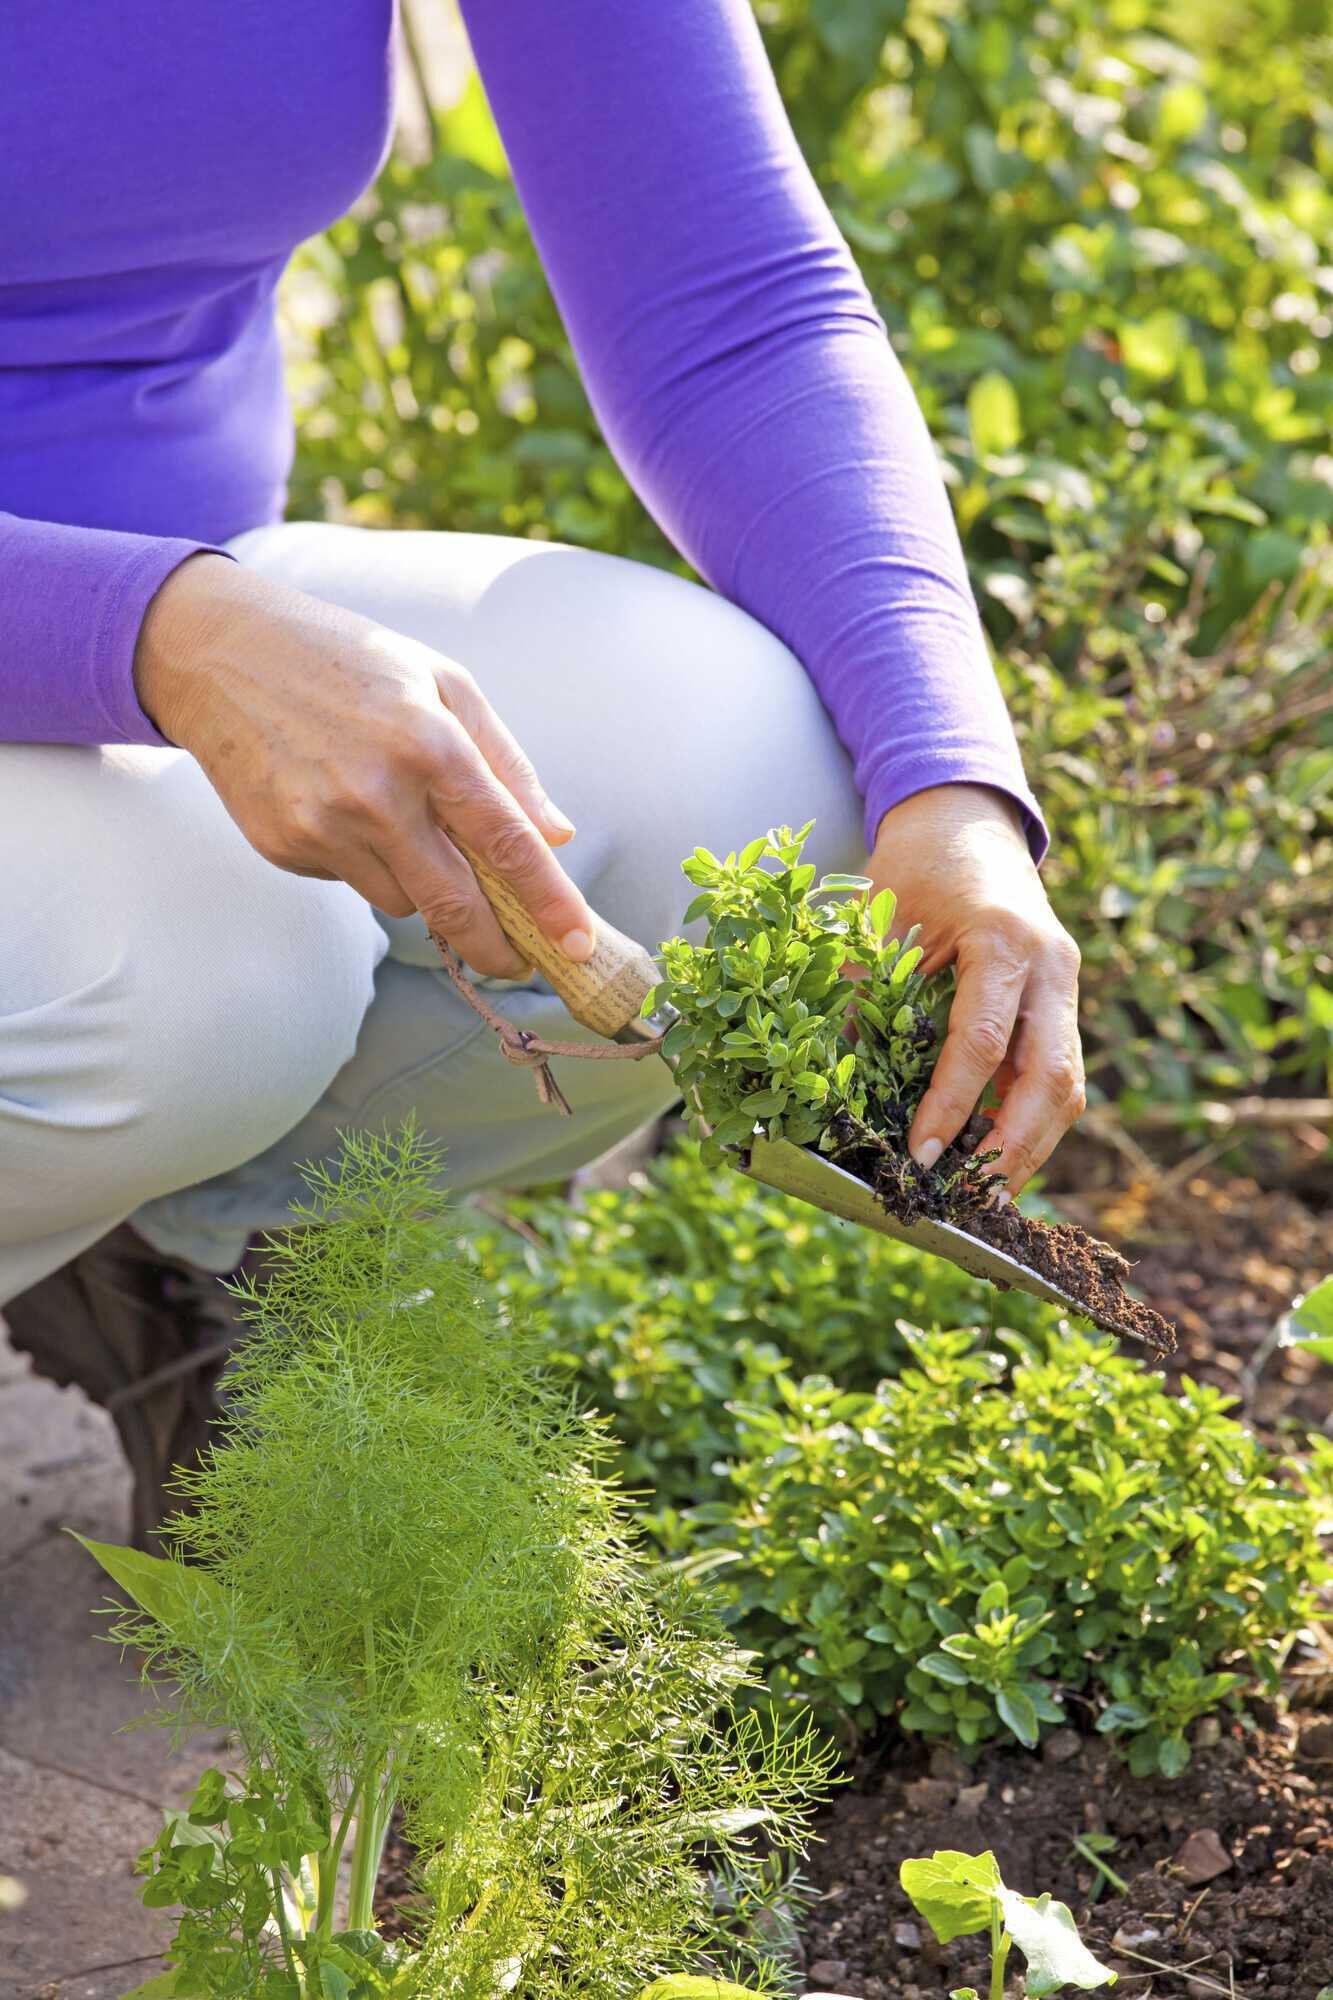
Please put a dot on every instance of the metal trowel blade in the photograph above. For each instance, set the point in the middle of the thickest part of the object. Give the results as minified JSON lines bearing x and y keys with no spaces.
{"x":792,"y":1170}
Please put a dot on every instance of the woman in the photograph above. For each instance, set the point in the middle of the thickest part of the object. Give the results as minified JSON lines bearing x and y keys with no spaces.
{"x":235,"y":750}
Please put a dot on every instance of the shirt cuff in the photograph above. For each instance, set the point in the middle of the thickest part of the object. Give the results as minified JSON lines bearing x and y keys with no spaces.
{"x":887,"y":787}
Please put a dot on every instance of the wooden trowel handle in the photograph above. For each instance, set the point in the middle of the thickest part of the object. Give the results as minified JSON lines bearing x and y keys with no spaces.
{"x":607,"y":992}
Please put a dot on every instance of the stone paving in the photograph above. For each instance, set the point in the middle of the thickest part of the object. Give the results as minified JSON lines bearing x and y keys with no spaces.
{"x":80,"y":1795}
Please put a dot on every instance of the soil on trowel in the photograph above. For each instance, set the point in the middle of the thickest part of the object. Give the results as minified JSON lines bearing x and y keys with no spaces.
{"x":1076,"y":1263}
{"x":1229,"y":1869}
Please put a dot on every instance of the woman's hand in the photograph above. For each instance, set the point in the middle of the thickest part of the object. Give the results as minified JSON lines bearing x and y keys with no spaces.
{"x":958,"y":861}
{"x":346,"y":751}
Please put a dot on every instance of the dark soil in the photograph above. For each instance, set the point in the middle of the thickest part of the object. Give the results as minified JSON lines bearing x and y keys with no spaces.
{"x":1229,"y":1868}
{"x":1078,"y":1264}
{"x":396,"y":1892}
{"x":1224,"y":1259}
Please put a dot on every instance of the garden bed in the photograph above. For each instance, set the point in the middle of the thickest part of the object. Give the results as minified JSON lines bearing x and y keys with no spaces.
{"x":1267,"y":1918}
{"x":1256,"y":1804}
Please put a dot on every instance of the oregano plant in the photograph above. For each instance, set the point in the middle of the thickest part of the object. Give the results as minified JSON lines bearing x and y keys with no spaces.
{"x":802,"y":1015}
{"x":405,"y":1582}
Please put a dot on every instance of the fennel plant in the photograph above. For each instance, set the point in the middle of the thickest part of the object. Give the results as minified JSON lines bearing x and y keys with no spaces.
{"x":406,"y":1582}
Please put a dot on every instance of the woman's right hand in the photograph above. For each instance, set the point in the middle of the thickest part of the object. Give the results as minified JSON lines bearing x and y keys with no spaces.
{"x":345,"y":751}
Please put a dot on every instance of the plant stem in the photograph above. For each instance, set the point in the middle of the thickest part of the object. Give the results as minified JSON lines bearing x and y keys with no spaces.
{"x":284,"y":1929}
{"x":328,"y":1875}
{"x":999,"y":1944}
{"x":1117,"y":1882}
{"x":375,"y":1799}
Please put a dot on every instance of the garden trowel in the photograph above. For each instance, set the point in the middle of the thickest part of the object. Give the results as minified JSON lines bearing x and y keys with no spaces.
{"x":607,"y":994}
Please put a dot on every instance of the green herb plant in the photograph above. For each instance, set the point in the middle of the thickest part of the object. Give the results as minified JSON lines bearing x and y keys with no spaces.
{"x":1006,"y":1530}
{"x":670,"y":1301}
{"x":408,"y":1583}
{"x":766,"y":1035}
{"x":961,"y":1894}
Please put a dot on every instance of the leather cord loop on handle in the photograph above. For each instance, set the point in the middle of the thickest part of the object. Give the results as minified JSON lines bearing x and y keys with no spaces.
{"x":528,"y":1051}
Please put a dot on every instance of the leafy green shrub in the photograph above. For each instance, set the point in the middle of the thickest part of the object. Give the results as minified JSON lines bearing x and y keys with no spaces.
{"x":1100,"y":236}
{"x":408,"y":1583}
{"x":693,"y":1289}
{"x":972,"y":1548}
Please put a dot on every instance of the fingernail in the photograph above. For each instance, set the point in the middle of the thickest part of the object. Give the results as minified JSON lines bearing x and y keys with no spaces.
{"x":557,"y":821}
{"x":928,"y":1152}
{"x":578,"y":945}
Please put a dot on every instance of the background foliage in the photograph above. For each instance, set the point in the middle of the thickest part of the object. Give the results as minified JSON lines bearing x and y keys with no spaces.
{"x":1101,"y":235}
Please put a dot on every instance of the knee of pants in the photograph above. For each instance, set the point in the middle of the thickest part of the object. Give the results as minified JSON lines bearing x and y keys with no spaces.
{"x":216,"y":1076}
{"x":179,"y":1004}
{"x":727,"y":738}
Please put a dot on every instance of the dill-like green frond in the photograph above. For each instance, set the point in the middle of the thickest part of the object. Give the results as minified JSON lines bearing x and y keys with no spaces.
{"x":415,"y":1585}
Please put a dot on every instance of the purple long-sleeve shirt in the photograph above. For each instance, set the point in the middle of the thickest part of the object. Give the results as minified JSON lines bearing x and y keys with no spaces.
{"x":161,"y":161}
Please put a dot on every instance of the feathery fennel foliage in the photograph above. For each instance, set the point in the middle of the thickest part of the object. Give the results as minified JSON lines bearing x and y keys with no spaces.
{"x":408,"y":1582}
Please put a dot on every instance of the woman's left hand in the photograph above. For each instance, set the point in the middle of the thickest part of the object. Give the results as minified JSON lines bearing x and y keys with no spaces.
{"x":958,"y":861}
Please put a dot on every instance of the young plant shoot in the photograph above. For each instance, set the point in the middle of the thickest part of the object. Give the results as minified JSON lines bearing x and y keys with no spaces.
{"x":405,"y":1582}
{"x":959,"y":1894}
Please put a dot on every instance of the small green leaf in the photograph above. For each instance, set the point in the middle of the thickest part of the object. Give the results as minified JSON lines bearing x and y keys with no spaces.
{"x":881,"y":912}
{"x":163,"y":1586}
{"x":1172,"y":1756}
{"x":993,"y":415}
{"x":952,"y":1891}
{"x":1310,"y":1323}
{"x":163,"y":1986}
{"x":1017,"y":1712}
{"x":736,"y":1130}
{"x":849,"y":885}
{"x":945,"y":1668}
{"x":1046,"y":1934}
{"x":1121,"y":1715}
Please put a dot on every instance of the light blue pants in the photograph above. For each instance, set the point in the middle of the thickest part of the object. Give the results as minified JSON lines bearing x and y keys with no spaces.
{"x":182,"y":1024}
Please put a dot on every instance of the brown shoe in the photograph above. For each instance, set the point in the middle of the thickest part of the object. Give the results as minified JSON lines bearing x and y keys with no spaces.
{"x":145,"y":1336}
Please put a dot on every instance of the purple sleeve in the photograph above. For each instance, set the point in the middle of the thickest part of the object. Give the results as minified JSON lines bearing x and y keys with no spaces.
{"x":74,"y":601}
{"x":740,"y":371}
